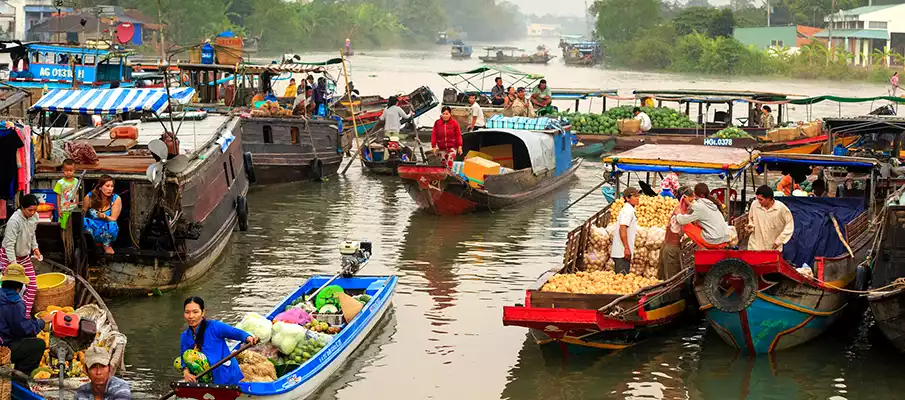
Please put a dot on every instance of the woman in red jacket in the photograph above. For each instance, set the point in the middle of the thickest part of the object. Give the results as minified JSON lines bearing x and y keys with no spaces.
{"x":446,"y":137}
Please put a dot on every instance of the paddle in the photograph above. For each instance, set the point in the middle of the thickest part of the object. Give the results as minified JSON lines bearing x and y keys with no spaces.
{"x":584,"y":195}
{"x":232,"y":355}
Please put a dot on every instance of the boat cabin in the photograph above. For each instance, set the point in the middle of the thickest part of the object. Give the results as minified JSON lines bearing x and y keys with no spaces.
{"x":39,"y":65}
{"x":460,"y":50}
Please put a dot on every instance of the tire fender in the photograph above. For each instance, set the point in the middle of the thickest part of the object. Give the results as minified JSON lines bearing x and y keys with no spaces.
{"x":242,"y":212}
{"x":744,"y":282}
{"x":249,"y":167}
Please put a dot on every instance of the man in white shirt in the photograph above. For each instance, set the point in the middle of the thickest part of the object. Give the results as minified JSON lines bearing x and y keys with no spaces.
{"x":645,"y":120}
{"x":628,"y":226}
{"x":477,"y":114}
{"x":769,"y":221}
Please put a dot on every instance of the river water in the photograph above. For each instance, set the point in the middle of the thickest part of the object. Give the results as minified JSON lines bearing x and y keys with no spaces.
{"x":443,"y":338}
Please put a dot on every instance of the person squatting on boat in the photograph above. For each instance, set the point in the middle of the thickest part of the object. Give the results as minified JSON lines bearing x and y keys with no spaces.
{"x":20,"y":244}
{"x":204,"y":344}
{"x":102,"y":208}
{"x":628,"y":227}
{"x":498,"y":93}
{"x":769,"y":221}
{"x":446,"y":137}
{"x":705,"y":223}
{"x":541,"y":98}
{"x":18,"y":330}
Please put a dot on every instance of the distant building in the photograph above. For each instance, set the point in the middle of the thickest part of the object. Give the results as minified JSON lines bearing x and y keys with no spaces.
{"x":792,"y":36}
{"x":94,"y":24}
{"x":865,"y":29}
{"x":543,"y":30}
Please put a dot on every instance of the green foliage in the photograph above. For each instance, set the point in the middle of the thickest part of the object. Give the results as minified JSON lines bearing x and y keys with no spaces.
{"x":706,"y":20}
{"x":621,"y":20}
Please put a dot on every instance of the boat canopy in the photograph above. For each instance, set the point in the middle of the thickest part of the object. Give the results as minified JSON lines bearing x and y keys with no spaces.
{"x":473,"y":80}
{"x":711,"y":96}
{"x":111,"y":101}
{"x":838,"y":99}
{"x":297,"y":60}
{"x":866,"y":125}
{"x":581,"y":94}
{"x":503,"y":48}
{"x":824,"y":160}
{"x":683,"y":158}
{"x":538,"y":147}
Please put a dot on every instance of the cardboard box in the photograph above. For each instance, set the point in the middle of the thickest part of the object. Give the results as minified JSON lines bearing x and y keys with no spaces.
{"x":474,"y":153}
{"x":502,"y":154}
{"x":476,"y":168}
{"x":629,"y":126}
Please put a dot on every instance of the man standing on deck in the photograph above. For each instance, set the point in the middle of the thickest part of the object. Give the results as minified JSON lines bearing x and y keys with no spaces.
{"x":476,"y":114}
{"x":624,"y":242}
{"x":769,"y":221}
{"x":498,"y":93}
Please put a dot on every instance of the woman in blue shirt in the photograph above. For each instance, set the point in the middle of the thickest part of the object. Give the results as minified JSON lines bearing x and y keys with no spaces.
{"x":209,"y":337}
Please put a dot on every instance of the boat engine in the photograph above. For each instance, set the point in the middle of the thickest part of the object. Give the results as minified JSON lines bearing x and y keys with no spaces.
{"x":69,"y":334}
{"x":354,"y":255}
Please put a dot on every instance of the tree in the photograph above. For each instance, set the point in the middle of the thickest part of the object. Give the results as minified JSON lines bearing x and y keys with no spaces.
{"x":708,"y":21}
{"x":621,"y":20}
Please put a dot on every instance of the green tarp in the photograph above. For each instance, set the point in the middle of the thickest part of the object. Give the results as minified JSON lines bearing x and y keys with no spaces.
{"x":502,"y":69}
{"x":838,"y":99}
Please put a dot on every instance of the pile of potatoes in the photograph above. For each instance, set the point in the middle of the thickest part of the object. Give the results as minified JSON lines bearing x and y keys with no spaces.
{"x":651,"y":210}
{"x":597,"y":282}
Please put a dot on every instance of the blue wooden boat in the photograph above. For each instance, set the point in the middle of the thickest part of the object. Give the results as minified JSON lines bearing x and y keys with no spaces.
{"x":764,"y":301}
{"x":48,"y":66}
{"x":310,"y":376}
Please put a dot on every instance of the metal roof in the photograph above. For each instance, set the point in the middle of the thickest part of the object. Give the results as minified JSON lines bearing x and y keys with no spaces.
{"x":879,"y":34}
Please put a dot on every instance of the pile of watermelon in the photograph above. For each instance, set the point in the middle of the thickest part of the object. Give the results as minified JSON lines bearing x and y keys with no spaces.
{"x":605,"y":124}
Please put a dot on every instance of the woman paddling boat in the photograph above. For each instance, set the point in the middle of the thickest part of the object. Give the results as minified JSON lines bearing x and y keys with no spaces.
{"x":204,"y":344}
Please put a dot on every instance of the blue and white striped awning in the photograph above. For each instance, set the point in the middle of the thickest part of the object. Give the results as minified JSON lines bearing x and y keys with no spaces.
{"x":111,"y":101}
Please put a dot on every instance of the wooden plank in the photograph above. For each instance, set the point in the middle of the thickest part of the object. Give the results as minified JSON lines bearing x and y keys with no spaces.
{"x":112,"y":145}
{"x":541,"y":299}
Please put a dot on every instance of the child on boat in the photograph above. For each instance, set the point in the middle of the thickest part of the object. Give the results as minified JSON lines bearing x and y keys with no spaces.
{"x":65,"y":188}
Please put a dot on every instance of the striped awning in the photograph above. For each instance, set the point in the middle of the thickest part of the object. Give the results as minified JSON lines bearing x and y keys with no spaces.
{"x":111,"y":101}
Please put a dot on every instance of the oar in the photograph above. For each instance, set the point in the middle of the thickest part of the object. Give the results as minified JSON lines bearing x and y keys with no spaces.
{"x":232,"y":355}
{"x":584,"y":195}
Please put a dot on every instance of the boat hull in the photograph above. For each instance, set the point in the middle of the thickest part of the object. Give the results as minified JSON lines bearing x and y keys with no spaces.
{"x":285,"y":149}
{"x":389,"y":167}
{"x":308,"y":378}
{"x":889,"y":312}
{"x":436,"y":190}
{"x":788,"y":309}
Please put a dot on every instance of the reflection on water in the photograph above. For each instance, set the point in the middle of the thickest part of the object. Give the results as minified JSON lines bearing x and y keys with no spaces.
{"x":444,"y":337}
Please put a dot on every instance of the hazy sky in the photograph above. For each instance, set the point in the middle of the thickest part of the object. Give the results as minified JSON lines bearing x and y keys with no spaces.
{"x":568,"y":7}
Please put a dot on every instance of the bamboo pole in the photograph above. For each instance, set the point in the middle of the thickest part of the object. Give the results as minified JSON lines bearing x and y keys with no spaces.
{"x":342,"y":56}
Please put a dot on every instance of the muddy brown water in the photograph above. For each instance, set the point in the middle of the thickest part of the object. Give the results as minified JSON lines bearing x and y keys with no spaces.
{"x":443,"y":338}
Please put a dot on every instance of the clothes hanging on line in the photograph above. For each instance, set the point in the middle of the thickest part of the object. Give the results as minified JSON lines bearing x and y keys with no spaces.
{"x":10,"y":144}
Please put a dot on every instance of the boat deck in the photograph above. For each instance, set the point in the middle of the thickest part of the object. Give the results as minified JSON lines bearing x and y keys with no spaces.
{"x":193,"y":136}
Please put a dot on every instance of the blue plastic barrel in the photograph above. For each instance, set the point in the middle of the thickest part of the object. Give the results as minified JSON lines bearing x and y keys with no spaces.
{"x":207,"y":54}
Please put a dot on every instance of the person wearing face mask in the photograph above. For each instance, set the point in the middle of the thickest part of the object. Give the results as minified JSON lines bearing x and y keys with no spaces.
{"x":101,"y":208}
{"x":204,"y":344}
{"x":20,"y":244}
{"x":18,"y":330}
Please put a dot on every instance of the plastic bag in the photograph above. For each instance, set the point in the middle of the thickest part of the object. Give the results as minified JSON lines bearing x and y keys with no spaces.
{"x":257,"y":325}
{"x":294,"y":316}
{"x":287,"y":336}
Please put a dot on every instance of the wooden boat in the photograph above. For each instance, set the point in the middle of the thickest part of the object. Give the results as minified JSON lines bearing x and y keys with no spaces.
{"x":575,"y":321}
{"x":306,"y":379}
{"x":536,"y":170}
{"x":291,"y":149}
{"x":419,"y":101}
{"x":93,"y":303}
{"x":500,"y":57}
{"x":593,"y":150}
{"x":95,"y":68}
{"x":174,"y":226}
{"x":576,"y":51}
{"x":760,"y":301}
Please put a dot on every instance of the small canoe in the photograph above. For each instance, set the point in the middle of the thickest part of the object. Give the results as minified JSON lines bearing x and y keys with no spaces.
{"x":593,"y":150}
{"x":310,"y":376}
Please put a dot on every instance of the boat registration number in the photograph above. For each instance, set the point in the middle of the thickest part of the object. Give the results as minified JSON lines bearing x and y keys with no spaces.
{"x":717,"y":142}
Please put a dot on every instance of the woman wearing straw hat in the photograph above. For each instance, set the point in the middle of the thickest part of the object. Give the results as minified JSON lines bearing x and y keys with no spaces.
{"x":16,"y":330}
{"x":20,"y":243}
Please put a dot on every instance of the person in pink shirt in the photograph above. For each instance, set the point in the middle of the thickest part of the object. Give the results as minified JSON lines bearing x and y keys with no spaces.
{"x":894,"y":82}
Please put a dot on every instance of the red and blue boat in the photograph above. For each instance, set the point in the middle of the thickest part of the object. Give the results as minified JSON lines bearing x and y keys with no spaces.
{"x":765,"y":301}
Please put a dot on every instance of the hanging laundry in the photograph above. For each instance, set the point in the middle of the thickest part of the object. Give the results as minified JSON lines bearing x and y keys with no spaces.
{"x":10,"y":143}
{"x":24,"y":160}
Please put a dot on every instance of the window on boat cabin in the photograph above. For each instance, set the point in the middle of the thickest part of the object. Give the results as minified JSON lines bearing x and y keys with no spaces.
{"x":226,"y":174}
{"x":268,"y":134}
{"x":232,"y":168}
{"x":294,"y":134}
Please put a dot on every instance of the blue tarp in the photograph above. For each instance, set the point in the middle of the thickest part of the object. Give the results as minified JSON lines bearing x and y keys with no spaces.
{"x":814,"y":234}
{"x":826,"y":163}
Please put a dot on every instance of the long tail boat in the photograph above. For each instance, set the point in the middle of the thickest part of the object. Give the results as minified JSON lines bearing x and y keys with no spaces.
{"x":575,"y":321}
{"x":765,"y":301}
